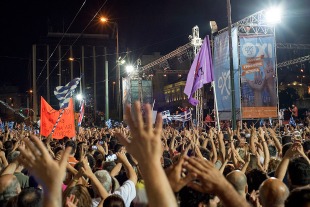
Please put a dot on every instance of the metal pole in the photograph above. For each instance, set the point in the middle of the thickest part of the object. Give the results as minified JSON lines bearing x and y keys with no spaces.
{"x":231,"y":66}
{"x":34,"y":82}
{"x":48,"y":93}
{"x":106,"y":86}
{"x":83,"y":72}
{"x":95,"y":83}
{"x":118,"y":78}
{"x":81,"y":92}
{"x":71,"y":64}
{"x":59,"y":65}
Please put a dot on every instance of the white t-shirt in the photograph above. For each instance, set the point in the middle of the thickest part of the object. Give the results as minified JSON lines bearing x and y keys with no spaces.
{"x":127,"y":192}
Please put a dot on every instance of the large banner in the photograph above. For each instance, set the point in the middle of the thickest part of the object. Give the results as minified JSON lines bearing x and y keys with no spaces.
{"x":258,"y":79}
{"x":221,"y":65}
{"x":49,"y":116}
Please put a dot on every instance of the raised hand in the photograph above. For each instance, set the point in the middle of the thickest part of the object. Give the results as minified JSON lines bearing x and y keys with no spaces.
{"x":258,"y":82}
{"x":146,"y":147}
{"x":72,"y":201}
{"x":210,"y":180}
{"x":145,"y":144}
{"x":48,"y":172}
{"x":174,"y":174}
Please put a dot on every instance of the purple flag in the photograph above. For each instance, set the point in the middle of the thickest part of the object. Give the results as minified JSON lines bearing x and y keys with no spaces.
{"x":201,"y":71}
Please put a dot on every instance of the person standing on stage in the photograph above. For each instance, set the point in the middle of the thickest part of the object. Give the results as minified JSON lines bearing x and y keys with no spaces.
{"x":294,"y":111}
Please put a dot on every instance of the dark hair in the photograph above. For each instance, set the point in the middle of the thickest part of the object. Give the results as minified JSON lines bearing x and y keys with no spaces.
{"x":228,"y":169}
{"x":255,"y":178}
{"x":113,"y":201}
{"x":57,"y":149}
{"x":272,"y":150}
{"x":72,"y":144}
{"x":285,"y":148}
{"x":33,"y":182}
{"x":91,"y":161}
{"x":205,"y":153}
{"x":30,"y":197}
{"x":8,"y":145}
{"x":299,"y":171}
{"x":298,"y":197}
{"x":167,"y":162}
{"x":286,"y":139}
{"x":190,"y":197}
{"x":117,"y":147}
{"x":306,"y":146}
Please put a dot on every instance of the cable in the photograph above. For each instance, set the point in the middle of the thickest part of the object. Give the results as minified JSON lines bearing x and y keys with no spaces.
{"x":71,"y":44}
{"x":61,"y":39}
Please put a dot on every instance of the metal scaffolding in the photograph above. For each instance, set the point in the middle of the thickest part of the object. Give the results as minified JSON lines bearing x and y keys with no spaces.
{"x":253,"y":24}
{"x":181,"y":50}
{"x":293,"y":46}
{"x":294,"y":61}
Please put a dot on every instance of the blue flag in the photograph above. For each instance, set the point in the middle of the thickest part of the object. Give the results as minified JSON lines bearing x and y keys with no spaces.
{"x":292,"y":122}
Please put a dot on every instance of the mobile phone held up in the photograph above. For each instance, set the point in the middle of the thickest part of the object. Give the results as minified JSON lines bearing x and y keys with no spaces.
{"x":94,"y":147}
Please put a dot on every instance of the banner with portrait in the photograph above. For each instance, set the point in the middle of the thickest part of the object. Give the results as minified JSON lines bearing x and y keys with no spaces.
{"x":221,"y":65}
{"x":258,"y":78}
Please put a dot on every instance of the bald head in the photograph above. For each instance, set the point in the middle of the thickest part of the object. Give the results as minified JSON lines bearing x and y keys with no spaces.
{"x":239,"y":181}
{"x":9,"y":187}
{"x":273,"y":193}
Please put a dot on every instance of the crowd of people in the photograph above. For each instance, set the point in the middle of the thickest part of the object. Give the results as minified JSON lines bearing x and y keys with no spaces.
{"x":146,"y":164}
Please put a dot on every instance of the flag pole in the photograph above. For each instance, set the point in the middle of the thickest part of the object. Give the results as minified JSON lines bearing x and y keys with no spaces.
{"x":59,"y":117}
{"x":215,"y":106}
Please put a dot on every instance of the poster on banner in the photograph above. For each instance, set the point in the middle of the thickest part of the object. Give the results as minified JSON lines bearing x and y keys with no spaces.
{"x":49,"y":117}
{"x":258,"y":78}
{"x":221,"y":65}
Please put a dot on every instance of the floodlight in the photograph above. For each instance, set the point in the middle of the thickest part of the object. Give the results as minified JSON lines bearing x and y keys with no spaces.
{"x":273,"y":15}
{"x":129,"y":68}
{"x":213,"y":26}
{"x":79,"y":97}
{"x":122,"y":62}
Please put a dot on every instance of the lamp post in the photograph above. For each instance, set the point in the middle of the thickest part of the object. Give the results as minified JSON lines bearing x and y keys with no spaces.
{"x":118,"y":76}
{"x":231,"y":66}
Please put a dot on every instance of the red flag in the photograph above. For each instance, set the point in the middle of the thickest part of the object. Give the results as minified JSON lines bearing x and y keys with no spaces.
{"x":49,"y":117}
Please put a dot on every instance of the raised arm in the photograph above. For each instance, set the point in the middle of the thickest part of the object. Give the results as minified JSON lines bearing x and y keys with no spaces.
{"x":276,"y":141}
{"x":131,"y":174}
{"x":282,"y":167}
{"x":213,"y":182}
{"x":261,"y":135}
{"x":48,"y":172}
{"x":146,"y":147}
{"x":222,"y":154}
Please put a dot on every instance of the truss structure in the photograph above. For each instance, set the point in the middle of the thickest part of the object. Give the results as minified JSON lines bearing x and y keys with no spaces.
{"x":294,"y":61}
{"x":253,"y":24}
{"x":172,"y":71}
{"x":179,"y":51}
{"x":293,"y":46}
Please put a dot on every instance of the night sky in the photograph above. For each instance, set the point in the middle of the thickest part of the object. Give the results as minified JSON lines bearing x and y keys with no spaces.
{"x":144,"y":26}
